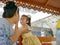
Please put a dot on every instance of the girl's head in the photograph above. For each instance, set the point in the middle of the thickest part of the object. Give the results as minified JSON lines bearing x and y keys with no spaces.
{"x":26,"y":19}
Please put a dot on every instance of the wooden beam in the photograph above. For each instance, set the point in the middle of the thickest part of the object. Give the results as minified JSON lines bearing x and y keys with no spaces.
{"x":47,"y":2}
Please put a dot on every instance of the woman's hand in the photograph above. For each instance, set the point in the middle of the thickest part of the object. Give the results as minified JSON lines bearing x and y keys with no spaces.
{"x":23,"y":30}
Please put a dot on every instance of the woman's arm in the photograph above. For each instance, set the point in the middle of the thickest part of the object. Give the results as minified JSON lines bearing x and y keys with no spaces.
{"x":15,"y":36}
{"x":17,"y":33}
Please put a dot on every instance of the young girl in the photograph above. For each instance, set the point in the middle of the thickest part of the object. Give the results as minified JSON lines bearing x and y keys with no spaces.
{"x":28,"y":38}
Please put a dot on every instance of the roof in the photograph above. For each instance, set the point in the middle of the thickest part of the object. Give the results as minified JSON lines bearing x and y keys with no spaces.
{"x":49,"y":6}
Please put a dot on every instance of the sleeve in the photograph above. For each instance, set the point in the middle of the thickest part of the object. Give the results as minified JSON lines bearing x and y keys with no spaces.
{"x":2,"y":36}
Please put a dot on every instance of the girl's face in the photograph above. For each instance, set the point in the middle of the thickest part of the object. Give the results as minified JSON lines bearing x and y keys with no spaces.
{"x":23,"y":20}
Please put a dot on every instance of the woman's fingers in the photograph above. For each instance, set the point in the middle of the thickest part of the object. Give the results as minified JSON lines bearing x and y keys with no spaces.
{"x":23,"y":30}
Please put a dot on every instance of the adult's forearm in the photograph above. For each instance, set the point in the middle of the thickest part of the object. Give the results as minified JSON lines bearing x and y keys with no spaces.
{"x":15,"y":36}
